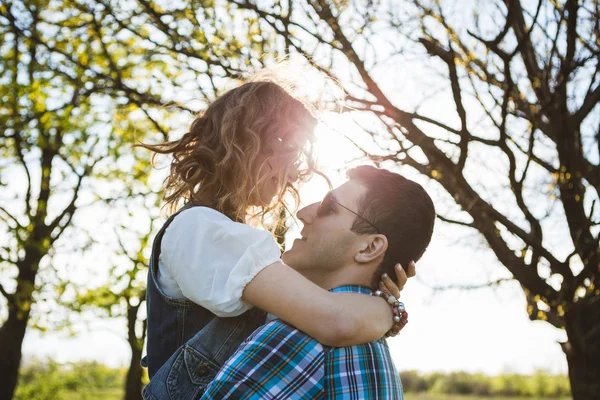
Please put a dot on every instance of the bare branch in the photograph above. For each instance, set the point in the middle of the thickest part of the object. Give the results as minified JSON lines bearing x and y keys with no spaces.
{"x":571,"y":7}
{"x":527,"y":51}
{"x":9,"y":215}
{"x":159,"y":128}
{"x":452,"y":221}
{"x":591,"y":101}
{"x":323,"y":10}
{"x":70,"y":209}
{"x":486,"y":285}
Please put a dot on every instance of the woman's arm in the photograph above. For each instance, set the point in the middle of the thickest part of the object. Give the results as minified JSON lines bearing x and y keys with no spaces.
{"x":334,"y":319}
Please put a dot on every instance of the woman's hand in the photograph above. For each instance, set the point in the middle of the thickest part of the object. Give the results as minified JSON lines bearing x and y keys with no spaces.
{"x":391,"y":288}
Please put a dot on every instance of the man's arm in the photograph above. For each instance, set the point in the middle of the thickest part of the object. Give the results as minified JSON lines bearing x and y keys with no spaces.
{"x":276,"y":362}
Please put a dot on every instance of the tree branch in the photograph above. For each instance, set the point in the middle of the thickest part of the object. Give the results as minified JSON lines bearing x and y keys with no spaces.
{"x":449,"y":58}
{"x":590,"y":102}
{"x":527,"y":50}
{"x":452,"y":221}
{"x":9,"y":215}
{"x":497,"y":282}
{"x":8,"y":296}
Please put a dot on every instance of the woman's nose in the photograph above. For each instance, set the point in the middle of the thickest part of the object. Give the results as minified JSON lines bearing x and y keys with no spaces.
{"x":293,"y":174}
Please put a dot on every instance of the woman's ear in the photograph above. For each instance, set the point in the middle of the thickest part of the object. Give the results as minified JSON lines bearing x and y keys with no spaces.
{"x":373,"y":248}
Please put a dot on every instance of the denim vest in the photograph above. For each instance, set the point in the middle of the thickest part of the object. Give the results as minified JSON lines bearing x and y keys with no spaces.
{"x":194,"y":342}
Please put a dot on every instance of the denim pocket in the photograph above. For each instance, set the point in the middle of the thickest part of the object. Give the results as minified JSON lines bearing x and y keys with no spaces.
{"x":190,"y":374}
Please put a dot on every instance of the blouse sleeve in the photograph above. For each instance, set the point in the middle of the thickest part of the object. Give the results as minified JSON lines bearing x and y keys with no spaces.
{"x":212,"y":258}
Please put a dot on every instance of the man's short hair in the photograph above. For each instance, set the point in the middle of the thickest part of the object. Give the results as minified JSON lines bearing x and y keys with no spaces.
{"x":402,"y":211}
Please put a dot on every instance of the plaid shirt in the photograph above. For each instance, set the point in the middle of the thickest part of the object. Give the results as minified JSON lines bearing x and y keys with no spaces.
{"x":280,"y":362}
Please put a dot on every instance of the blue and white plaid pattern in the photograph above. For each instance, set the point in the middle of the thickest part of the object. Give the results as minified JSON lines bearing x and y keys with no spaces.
{"x":280,"y":362}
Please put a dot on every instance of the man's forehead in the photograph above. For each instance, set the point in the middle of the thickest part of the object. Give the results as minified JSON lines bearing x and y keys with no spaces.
{"x":349,"y":193}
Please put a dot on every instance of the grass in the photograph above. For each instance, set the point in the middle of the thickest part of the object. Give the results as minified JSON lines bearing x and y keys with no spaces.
{"x":107,"y":394}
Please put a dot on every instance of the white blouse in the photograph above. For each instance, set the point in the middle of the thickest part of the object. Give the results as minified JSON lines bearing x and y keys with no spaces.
{"x":209,"y":259}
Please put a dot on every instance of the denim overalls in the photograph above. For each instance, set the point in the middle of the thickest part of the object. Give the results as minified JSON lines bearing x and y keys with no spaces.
{"x":187,"y":344}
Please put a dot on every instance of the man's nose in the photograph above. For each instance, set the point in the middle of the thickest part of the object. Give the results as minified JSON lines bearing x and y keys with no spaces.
{"x":308,"y":213}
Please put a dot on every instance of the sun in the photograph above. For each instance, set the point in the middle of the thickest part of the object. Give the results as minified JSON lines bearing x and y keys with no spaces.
{"x":340,"y":140}
{"x":335,"y":153}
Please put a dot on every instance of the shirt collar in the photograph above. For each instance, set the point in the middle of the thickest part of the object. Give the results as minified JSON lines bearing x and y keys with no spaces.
{"x":352,"y":289}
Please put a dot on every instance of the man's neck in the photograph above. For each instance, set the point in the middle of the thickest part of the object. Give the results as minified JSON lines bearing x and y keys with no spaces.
{"x":340,"y":277}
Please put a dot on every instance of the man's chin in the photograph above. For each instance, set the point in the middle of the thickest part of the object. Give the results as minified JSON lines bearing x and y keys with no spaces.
{"x":289,"y":258}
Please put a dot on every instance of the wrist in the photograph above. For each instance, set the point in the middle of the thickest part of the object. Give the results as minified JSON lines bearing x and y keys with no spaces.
{"x":398,"y":309}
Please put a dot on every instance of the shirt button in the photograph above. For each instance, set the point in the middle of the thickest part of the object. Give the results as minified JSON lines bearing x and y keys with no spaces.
{"x":202,"y":370}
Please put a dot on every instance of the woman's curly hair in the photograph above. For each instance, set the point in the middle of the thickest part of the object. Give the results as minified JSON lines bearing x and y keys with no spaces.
{"x":223,"y":154}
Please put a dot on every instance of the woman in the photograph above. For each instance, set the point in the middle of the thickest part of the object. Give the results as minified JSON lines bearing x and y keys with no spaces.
{"x":212,"y":272}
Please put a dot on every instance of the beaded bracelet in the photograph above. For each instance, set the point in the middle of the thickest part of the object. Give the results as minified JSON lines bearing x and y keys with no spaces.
{"x":397,"y":308}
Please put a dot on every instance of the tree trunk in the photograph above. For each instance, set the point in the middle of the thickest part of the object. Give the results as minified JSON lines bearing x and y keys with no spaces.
{"x":582,"y":323}
{"x":11,"y":339}
{"x":133,"y":384}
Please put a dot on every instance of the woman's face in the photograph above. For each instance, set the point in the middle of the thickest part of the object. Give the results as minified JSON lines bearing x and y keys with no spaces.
{"x":281,"y":165}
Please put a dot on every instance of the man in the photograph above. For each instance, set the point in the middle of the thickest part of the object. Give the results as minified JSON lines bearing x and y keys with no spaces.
{"x":354,"y":235}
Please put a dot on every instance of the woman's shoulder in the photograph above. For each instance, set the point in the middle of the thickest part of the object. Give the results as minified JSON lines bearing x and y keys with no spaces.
{"x":208,"y":221}
{"x":202,"y":213}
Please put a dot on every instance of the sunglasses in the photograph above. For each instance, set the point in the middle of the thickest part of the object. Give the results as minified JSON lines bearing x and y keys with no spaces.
{"x":327,"y":207}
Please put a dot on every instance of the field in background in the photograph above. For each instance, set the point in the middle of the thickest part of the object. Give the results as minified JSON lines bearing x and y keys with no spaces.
{"x":108,"y":394}
{"x":433,"y":396}
{"x":48,"y":380}
{"x":538,"y":385}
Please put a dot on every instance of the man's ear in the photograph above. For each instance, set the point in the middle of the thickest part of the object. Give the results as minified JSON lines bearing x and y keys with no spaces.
{"x":371,"y":249}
